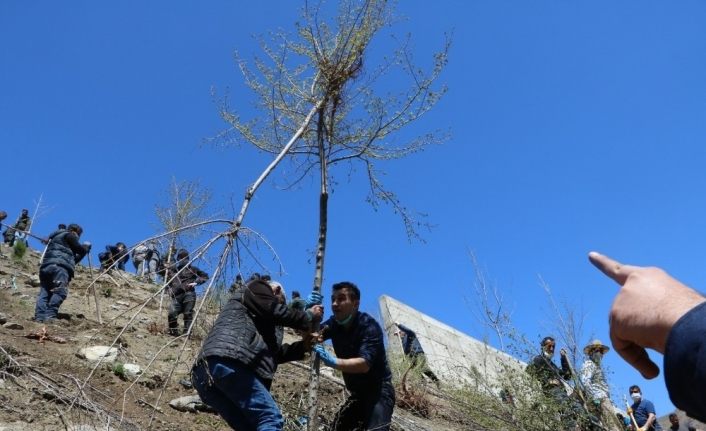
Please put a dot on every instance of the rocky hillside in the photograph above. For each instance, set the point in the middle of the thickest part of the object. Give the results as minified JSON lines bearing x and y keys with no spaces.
{"x":51,"y":377}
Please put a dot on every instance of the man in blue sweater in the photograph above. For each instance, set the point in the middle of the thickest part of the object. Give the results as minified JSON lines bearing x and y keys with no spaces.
{"x":677,"y":331}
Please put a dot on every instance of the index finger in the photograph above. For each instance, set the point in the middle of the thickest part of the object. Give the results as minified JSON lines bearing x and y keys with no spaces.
{"x":610,"y":267}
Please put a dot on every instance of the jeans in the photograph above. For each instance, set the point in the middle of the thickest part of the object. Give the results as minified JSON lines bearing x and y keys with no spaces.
{"x":54,"y":281}
{"x":181,"y":303}
{"x":372,"y":411}
{"x":238,"y":396}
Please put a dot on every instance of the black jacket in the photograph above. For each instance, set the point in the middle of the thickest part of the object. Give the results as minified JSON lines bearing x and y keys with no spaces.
{"x":245,"y":331}
{"x":180,"y":281}
{"x":548,"y":374}
{"x":64,"y":250}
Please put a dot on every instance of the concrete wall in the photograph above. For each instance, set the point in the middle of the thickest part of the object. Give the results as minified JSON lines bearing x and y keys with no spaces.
{"x":451,"y":354}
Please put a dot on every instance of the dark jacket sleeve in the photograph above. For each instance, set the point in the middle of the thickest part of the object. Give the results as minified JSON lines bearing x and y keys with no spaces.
{"x":685,"y":363}
{"x":260,"y":300}
{"x":201,"y":276}
{"x":75,"y":246}
{"x":290,"y":352}
{"x":565,"y":368}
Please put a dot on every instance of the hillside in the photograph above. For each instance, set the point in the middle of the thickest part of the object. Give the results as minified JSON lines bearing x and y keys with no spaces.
{"x":45,"y":385}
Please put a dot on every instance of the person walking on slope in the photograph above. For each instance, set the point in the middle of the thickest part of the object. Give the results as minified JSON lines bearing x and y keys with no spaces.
{"x":114,"y":256}
{"x":146,"y":259}
{"x":235,"y":367}
{"x":182,"y":281}
{"x":57,"y":269}
{"x":360,"y":355}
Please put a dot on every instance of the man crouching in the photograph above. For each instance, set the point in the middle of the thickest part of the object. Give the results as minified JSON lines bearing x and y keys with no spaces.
{"x":234,"y":370}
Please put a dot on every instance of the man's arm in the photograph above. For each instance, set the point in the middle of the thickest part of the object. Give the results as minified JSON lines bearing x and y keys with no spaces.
{"x":76,"y":247}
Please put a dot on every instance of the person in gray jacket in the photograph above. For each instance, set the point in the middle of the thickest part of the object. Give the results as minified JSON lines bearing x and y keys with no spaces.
{"x":56,"y":270}
{"x":239,"y":357}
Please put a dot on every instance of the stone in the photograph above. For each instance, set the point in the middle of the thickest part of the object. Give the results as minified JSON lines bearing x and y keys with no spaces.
{"x":96,"y":353}
{"x":3,"y":319}
{"x":12,"y":325}
{"x":190,"y":403}
{"x":33,"y":281}
{"x":2,"y":384}
{"x":123,"y":303}
{"x":131,"y":371}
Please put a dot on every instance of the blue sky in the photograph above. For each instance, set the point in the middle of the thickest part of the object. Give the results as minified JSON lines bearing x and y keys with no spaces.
{"x":575,"y":126}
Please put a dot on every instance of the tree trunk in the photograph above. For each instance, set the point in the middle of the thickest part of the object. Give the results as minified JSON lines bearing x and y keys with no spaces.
{"x":313,"y":423}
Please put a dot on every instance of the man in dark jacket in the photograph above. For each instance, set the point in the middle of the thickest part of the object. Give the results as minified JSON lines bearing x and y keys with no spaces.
{"x":114,"y":256}
{"x":182,"y":278}
{"x":56,"y":270}
{"x":18,"y":230}
{"x":234,"y":370}
{"x":360,"y":355}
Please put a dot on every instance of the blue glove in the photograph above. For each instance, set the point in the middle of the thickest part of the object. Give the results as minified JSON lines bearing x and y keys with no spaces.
{"x":314,"y":298}
{"x":325,"y":356}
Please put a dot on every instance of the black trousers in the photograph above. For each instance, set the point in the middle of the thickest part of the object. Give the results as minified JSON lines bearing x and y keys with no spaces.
{"x":182,"y":303}
{"x":369,"y":411}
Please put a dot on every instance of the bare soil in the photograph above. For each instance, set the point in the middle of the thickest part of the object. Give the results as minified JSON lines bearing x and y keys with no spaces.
{"x":45,"y":386}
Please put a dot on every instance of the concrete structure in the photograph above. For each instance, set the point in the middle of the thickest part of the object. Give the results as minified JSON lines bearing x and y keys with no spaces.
{"x":453,"y":356}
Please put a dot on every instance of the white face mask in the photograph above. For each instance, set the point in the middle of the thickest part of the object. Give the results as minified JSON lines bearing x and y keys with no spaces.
{"x":547,"y":355}
{"x":636,"y":396}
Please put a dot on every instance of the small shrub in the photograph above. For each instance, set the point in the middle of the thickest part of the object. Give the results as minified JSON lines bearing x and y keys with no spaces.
{"x":19,"y":250}
{"x":119,"y":370}
{"x":108,"y":292}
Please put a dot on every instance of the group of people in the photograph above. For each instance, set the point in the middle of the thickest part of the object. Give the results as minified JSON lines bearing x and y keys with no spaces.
{"x":18,"y":230}
{"x":240,"y":355}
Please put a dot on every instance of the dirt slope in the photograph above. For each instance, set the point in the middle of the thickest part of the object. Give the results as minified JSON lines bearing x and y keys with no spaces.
{"x":45,"y":385}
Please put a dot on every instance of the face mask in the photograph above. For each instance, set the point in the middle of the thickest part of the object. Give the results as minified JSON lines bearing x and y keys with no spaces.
{"x":346,"y":320}
{"x":596,"y":357}
{"x":636,"y":396}
{"x":547,"y":355}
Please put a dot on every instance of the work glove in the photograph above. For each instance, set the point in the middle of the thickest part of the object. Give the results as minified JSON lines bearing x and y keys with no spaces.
{"x":314,"y":298}
{"x":326,"y":357}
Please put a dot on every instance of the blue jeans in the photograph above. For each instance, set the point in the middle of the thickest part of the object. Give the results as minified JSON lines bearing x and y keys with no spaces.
{"x":236,"y":393}
{"x":53,"y":291}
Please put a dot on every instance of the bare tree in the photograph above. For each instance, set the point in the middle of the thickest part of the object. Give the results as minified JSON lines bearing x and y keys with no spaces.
{"x":186,"y":205}
{"x":322,"y":67}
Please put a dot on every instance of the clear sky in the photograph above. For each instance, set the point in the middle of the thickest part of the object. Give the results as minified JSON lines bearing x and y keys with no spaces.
{"x":575,"y":126}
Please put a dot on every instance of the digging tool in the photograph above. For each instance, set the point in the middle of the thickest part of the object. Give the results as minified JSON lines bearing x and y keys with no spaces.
{"x":93,"y":288}
{"x":629,"y":412}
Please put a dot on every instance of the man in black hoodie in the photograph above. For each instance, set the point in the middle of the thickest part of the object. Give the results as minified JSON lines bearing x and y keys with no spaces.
{"x":239,"y":357}
{"x":56,"y":270}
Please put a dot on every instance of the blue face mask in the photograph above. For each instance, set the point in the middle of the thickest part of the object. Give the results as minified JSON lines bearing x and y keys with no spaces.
{"x":346,"y":320}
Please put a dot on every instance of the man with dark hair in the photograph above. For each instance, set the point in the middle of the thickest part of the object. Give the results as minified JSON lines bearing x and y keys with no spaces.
{"x":114,"y":256}
{"x":297,"y":302}
{"x":360,"y":355}
{"x":553,"y":380}
{"x":183,"y":277}
{"x":643,"y":411}
{"x":18,"y":230}
{"x":57,"y":269}
{"x":675,"y":425}
{"x":234,"y":370}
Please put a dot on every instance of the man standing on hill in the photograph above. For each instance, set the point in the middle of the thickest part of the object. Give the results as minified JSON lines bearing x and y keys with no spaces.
{"x":643,"y":410}
{"x":56,"y":270}
{"x":358,"y":344}
{"x":183,"y":279}
{"x":18,"y":229}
